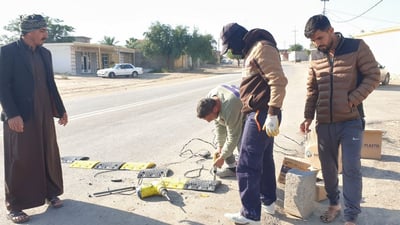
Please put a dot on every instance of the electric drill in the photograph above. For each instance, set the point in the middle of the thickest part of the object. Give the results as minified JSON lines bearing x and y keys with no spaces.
{"x":215,"y":157}
{"x":151,"y":189}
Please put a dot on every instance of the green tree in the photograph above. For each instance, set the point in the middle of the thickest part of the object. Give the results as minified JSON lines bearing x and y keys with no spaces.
{"x":108,"y":41}
{"x":57,"y":31}
{"x":162,"y":40}
{"x":180,"y":41}
{"x":234,"y":57}
{"x":159,"y":42}
{"x":132,"y":43}
{"x":201,"y":47}
{"x":296,"y":47}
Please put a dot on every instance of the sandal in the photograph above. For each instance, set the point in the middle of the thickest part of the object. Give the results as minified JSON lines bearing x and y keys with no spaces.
{"x":18,"y":216}
{"x":55,"y":202}
{"x":330,"y":214}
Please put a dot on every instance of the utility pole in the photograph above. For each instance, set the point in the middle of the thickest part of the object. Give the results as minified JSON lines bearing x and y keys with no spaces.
{"x":295,"y":31}
{"x":323,"y":11}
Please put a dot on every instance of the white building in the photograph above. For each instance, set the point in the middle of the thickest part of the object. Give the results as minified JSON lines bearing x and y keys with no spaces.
{"x":385,"y":44}
{"x":83,"y":58}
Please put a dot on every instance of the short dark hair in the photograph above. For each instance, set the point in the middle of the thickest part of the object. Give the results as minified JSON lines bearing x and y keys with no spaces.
{"x":317,"y":22}
{"x":205,"y":107}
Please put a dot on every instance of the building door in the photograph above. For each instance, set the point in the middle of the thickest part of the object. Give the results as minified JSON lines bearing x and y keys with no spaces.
{"x":105,"y":61}
{"x":85,"y":63}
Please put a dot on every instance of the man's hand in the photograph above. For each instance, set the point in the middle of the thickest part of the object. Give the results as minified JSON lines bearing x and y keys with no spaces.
{"x":63,"y":120}
{"x":271,"y":125}
{"x":305,"y":126}
{"x":218,"y":160}
{"x":16,"y":124}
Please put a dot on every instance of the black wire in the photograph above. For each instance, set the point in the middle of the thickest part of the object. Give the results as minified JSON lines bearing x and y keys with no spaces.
{"x":287,"y":151}
{"x":345,"y":21}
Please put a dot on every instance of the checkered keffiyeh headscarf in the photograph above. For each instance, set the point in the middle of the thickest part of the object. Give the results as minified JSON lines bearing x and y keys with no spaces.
{"x":32,"y":22}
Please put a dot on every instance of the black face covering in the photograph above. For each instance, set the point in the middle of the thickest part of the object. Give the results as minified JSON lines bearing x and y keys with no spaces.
{"x":232,"y":38}
{"x":236,"y":43}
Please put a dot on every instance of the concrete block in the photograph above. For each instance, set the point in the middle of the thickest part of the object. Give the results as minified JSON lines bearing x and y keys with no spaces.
{"x":300,"y":192}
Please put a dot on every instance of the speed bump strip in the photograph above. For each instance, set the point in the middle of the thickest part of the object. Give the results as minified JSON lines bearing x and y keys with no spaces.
{"x":202,"y":185}
{"x":108,"y":165}
{"x":85,"y":164}
{"x":137,"y":166}
{"x":191,"y":184}
{"x":71,"y":159}
{"x":174,"y":183}
{"x":153,"y":173}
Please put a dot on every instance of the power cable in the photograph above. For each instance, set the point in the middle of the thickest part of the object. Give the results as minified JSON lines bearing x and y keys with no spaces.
{"x":336,"y":12}
{"x":345,"y":21}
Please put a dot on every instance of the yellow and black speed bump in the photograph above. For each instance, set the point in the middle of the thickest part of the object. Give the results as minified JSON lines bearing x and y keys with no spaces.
{"x":153,"y":173}
{"x":174,"y":183}
{"x":85,"y":164}
{"x":108,"y":165}
{"x":71,"y":159}
{"x":137,"y":166}
{"x":191,"y":184}
{"x":202,"y":185}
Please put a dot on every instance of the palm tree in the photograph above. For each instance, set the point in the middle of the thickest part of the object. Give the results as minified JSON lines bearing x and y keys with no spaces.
{"x":108,"y":41}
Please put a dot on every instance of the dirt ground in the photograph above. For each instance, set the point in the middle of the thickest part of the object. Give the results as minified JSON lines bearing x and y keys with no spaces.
{"x":380,"y":176}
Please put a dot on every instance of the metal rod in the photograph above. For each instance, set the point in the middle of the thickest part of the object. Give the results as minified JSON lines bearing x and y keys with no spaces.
{"x":109,"y":192}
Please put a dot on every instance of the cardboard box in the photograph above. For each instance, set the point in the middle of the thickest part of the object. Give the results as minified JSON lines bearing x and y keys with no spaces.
{"x":298,"y":163}
{"x":320,"y":192}
{"x":290,"y":163}
{"x":372,"y":144}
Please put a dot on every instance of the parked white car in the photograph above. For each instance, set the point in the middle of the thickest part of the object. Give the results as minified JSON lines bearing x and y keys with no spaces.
{"x":120,"y":69}
{"x":385,"y":75}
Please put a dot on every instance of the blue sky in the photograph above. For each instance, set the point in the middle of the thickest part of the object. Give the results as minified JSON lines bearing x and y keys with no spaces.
{"x":123,"y":19}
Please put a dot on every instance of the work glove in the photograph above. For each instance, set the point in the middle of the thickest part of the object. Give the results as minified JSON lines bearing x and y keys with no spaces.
{"x":271,"y":125}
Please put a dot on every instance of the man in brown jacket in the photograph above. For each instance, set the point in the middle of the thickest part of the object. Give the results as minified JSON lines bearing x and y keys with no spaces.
{"x":262,"y":92}
{"x":342,"y":73}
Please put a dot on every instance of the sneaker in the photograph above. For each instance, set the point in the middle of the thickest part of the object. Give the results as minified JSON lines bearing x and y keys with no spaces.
{"x":270,"y":209}
{"x":237,"y":218}
{"x":227,"y":172}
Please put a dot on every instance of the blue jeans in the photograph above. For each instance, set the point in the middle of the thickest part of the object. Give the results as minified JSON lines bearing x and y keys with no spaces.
{"x":256,"y":168}
{"x":349,"y":135}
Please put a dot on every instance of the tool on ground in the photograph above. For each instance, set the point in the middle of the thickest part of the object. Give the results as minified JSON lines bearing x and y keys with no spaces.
{"x":215,"y":157}
{"x":113,"y":191}
{"x":152,"y":189}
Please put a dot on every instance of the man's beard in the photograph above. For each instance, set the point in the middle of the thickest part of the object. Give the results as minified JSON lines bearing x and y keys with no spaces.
{"x":326,"y":48}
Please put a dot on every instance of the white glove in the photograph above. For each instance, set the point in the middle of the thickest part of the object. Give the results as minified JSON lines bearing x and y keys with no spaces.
{"x":271,"y":125}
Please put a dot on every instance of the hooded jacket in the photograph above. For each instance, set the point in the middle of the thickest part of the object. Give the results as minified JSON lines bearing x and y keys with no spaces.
{"x":349,"y":76}
{"x":263,"y":85}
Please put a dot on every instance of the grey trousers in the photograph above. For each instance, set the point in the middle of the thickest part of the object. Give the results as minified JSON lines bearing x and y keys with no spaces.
{"x":349,"y":135}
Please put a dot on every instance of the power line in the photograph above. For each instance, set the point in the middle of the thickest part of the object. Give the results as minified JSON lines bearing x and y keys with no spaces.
{"x":331,"y":11}
{"x":344,"y":21}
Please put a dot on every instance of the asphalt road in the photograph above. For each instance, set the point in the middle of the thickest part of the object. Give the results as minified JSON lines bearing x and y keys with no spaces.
{"x":155,"y":124}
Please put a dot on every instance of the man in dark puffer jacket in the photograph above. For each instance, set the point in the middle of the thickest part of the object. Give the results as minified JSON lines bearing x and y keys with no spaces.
{"x":342,"y":73}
